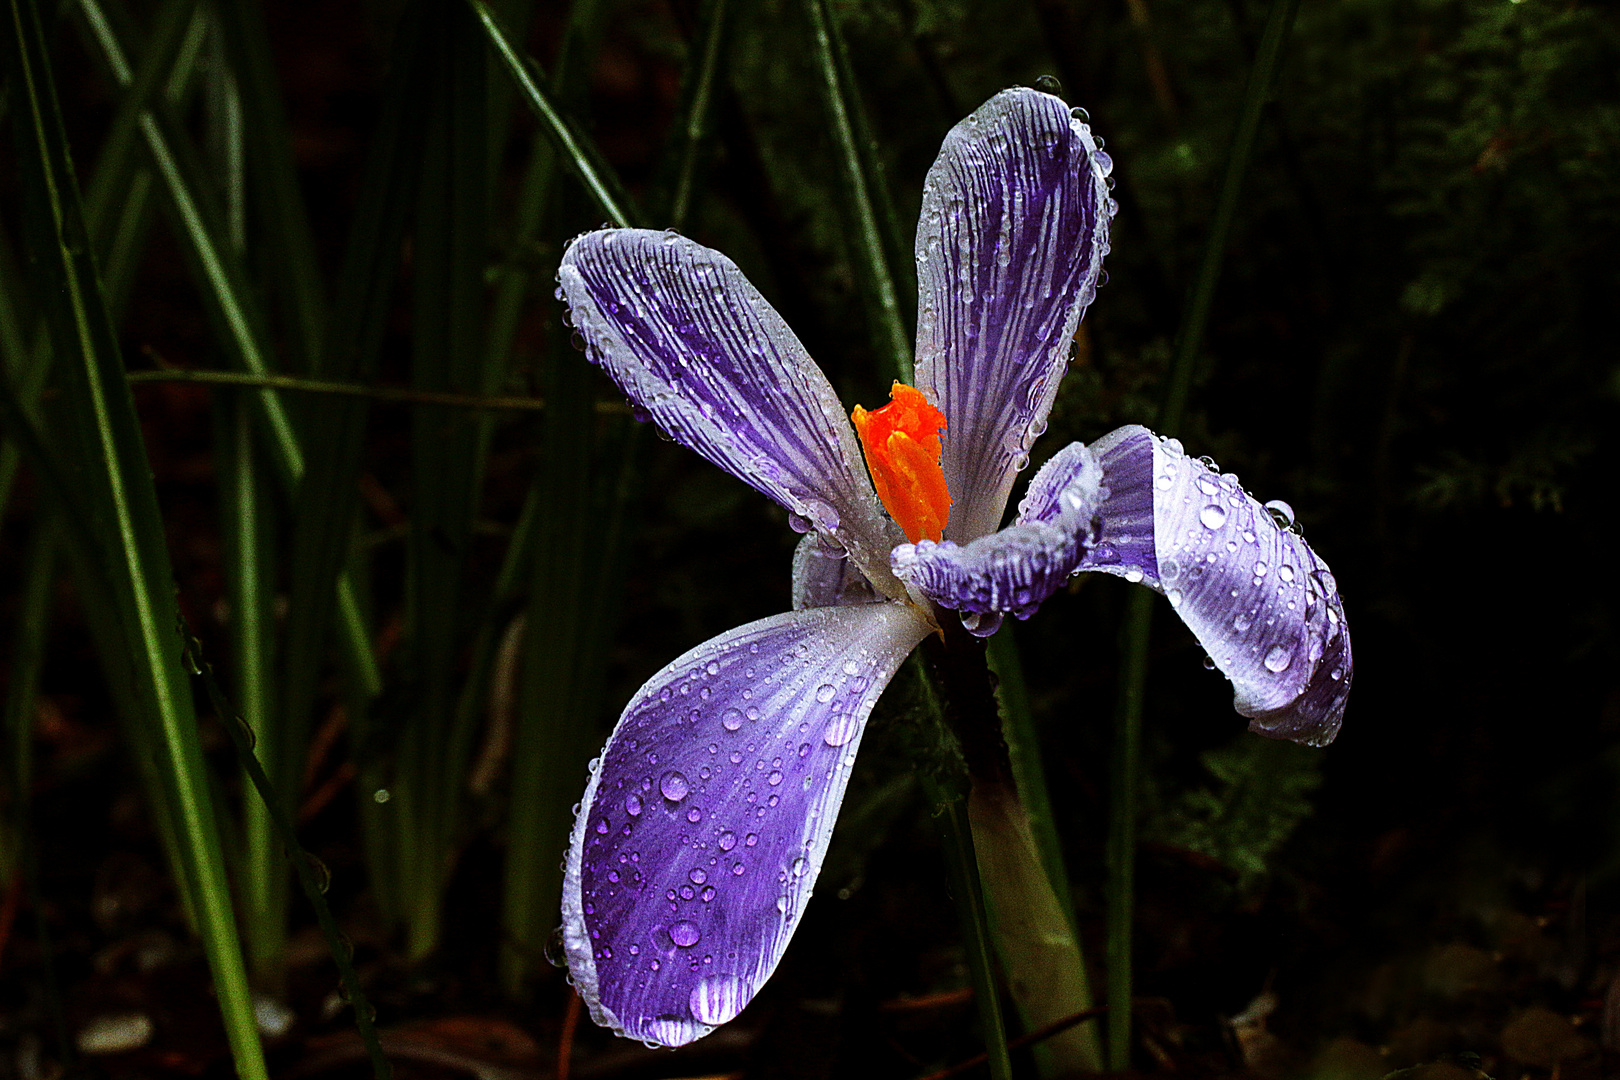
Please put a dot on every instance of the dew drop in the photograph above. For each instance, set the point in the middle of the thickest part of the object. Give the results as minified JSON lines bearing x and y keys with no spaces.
{"x":1277,"y":659}
{"x":825,"y":692}
{"x":840,"y":730}
{"x":731,"y":719}
{"x":1286,"y":573}
{"x":1212,"y":516}
{"x":1243,"y":621}
{"x":673,"y":785}
{"x":684,"y":933}
{"x":632,"y":804}
{"x":1281,"y":513}
{"x":1133,"y":575}
{"x":728,"y":840}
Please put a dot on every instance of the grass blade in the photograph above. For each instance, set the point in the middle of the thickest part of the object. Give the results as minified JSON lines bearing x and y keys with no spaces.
{"x":1126,"y":767}
{"x":588,"y":164}
{"x":697,"y":98}
{"x":129,"y":542}
{"x":889,"y":327}
{"x":312,"y":874}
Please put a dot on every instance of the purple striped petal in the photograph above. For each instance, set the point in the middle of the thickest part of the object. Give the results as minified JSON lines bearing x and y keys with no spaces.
{"x":1009,"y":247}
{"x":1264,"y":607}
{"x":1125,"y":548}
{"x":696,"y":347}
{"x":1012,"y":571}
{"x":824,"y":577}
{"x":704,"y":825}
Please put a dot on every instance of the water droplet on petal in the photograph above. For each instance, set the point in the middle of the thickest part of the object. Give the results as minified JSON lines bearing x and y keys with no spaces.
{"x":825,"y":692}
{"x":731,"y":719}
{"x":673,"y":785}
{"x":684,"y":933}
{"x":1212,"y":516}
{"x":632,"y":804}
{"x":1281,"y":513}
{"x":841,"y":729}
{"x":1277,"y":659}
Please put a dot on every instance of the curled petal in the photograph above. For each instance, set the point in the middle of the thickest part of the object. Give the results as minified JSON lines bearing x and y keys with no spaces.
{"x":1125,"y":547}
{"x":1264,"y":607}
{"x":705,"y":822}
{"x":824,"y":577}
{"x":695,"y":347}
{"x":1009,"y":248}
{"x":1012,"y":571}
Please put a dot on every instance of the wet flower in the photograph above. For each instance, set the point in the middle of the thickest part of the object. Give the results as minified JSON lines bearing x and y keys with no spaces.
{"x":706,"y":818}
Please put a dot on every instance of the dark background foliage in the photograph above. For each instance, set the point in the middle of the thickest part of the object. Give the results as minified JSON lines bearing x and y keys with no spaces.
{"x":1408,"y":346}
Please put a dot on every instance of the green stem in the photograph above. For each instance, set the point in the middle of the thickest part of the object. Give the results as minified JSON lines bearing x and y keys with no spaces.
{"x":962,"y":867}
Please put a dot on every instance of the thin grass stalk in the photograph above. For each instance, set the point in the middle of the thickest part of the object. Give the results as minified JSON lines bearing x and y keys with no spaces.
{"x":449,"y":254}
{"x":896,"y":238}
{"x":1126,"y":763}
{"x":889,"y":326}
{"x":698,"y":98}
{"x":514,"y":288}
{"x":276,"y":196}
{"x":250,"y":591}
{"x":577,"y":151}
{"x":313,"y":876}
{"x":249,"y":563}
{"x":128,"y":527}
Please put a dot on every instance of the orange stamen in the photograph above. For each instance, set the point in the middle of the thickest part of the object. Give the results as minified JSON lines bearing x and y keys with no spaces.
{"x":901,"y":443}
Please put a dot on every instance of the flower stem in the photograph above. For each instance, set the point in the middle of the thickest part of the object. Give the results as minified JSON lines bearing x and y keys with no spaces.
{"x":1039,"y":950}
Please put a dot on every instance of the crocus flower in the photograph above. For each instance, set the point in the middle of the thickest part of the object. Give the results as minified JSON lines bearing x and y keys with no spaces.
{"x":705,"y":820}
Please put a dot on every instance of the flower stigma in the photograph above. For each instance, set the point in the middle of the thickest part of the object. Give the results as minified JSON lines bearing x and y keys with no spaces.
{"x":901,"y":444}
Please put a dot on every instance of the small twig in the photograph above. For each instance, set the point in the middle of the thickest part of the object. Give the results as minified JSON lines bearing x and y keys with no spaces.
{"x":1045,"y":1031}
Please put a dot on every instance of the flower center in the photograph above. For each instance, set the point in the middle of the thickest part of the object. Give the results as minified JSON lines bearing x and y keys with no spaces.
{"x":901,"y":443}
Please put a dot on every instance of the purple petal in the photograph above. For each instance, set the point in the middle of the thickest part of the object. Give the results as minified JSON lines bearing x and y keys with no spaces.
{"x":1264,"y":607}
{"x":703,"y":827}
{"x":1012,"y":571}
{"x":824,"y":577}
{"x":1125,"y":547}
{"x":1014,"y":227}
{"x":696,"y":347}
